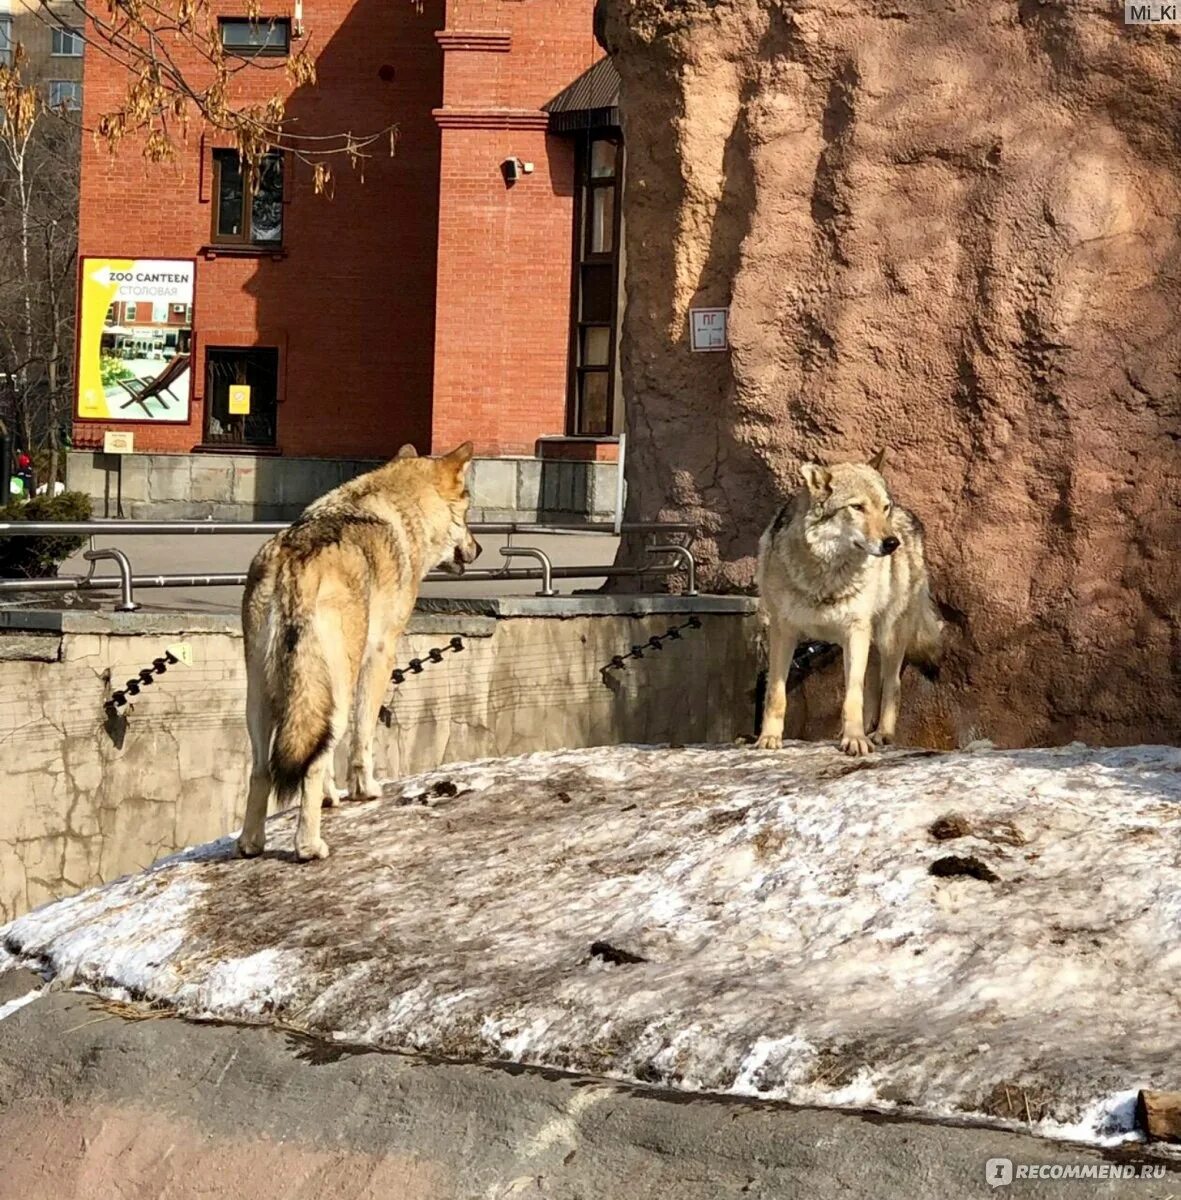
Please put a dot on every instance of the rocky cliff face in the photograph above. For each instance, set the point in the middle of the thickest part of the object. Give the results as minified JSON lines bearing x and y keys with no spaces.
{"x":949,"y":228}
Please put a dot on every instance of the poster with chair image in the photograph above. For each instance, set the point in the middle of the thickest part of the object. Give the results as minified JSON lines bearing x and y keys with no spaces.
{"x":135,"y":339}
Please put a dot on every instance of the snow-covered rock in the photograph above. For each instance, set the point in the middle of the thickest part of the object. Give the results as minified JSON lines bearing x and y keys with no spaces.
{"x":993,"y":935}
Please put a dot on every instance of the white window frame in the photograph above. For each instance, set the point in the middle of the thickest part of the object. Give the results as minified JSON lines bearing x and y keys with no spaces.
{"x":75,"y":86}
{"x":6,"y":39}
{"x":130,"y":311}
{"x":66,"y":37}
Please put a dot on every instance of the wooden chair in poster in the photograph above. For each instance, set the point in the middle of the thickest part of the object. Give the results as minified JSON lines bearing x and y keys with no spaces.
{"x":143,"y":390}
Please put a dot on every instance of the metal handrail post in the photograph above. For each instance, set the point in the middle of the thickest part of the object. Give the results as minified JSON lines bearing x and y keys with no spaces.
{"x":547,"y":567}
{"x":111,"y":554}
{"x":686,"y":557}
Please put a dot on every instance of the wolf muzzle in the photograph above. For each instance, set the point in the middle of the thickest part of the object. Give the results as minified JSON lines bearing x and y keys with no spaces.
{"x":884,"y":548}
{"x":460,"y":558}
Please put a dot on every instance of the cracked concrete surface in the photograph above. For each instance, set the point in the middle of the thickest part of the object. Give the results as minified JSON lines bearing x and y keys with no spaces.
{"x":92,"y":1106}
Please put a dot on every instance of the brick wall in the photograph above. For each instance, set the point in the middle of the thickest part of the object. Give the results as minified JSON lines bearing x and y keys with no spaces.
{"x":429,"y":303}
{"x":351,"y":305}
{"x":505,"y":252}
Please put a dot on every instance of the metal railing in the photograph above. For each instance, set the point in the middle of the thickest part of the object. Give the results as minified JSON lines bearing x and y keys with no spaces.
{"x":546,"y":572}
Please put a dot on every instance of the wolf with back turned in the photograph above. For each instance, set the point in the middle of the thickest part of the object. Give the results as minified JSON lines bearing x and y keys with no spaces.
{"x":325,"y":603}
{"x":841,"y":563}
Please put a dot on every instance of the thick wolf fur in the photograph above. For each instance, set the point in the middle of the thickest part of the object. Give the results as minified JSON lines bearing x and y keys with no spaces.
{"x":325,"y":603}
{"x":840,"y":563}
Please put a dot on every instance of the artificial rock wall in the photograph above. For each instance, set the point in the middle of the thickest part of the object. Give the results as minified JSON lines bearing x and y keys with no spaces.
{"x":951,"y":229}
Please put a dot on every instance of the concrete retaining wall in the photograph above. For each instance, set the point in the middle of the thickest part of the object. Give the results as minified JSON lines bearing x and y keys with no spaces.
{"x":86,"y":800}
{"x":239,"y":487}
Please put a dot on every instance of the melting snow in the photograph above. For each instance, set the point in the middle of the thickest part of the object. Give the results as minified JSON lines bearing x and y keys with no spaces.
{"x":768,"y":925}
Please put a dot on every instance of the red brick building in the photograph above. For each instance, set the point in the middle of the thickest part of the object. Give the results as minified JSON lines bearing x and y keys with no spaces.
{"x":467,"y":287}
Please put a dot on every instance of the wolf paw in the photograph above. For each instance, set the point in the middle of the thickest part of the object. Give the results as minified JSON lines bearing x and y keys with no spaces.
{"x":367,"y":789}
{"x":250,"y":847}
{"x":334,"y":795}
{"x":856,"y":744}
{"x":306,"y":852}
{"x":769,"y":741}
{"x":881,"y":739}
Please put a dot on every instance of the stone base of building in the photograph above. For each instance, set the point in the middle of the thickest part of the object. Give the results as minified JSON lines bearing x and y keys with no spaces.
{"x":241,"y":487}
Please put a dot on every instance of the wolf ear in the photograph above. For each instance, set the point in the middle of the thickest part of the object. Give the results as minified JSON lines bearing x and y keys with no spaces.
{"x":878,"y":460}
{"x":407,"y":451}
{"x":459,"y":460}
{"x":817,"y":479}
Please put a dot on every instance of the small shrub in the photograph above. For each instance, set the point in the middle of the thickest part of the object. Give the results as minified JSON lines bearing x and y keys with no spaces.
{"x":112,"y":369}
{"x":38,"y":557}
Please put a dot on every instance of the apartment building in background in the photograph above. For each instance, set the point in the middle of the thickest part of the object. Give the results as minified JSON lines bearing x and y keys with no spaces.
{"x":51,"y":36}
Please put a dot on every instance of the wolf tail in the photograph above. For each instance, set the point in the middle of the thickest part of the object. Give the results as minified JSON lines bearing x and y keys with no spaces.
{"x":926,"y":644}
{"x":299,"y":690}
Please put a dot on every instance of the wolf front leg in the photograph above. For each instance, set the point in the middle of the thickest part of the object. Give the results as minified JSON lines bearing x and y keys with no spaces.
{"x":783,"y":640}
{"x":856,"y":655}
{"x":890,"y":656}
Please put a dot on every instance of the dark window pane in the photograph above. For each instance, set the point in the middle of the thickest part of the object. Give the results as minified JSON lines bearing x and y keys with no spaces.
{"x":601,"y":228}
{"x":596,"y":292}
{"x":596,"y":346}
{"x":230,"y":186}
{"x":602,"y":159}
{"x":266,"y":215}
{"x":258,"y":369}
{"x":592,"y":411}
{"x":264,"y":36}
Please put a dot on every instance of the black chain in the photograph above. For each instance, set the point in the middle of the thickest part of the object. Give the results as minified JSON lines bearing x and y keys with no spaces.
{"x":809,"y":657}
{"x":144,"y":679}
{"x":672,"y":634}
{"x":415,"y":667}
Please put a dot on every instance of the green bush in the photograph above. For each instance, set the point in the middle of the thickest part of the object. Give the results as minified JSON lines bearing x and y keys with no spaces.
{"x":112,"y":369}
{"x":38,"y":557}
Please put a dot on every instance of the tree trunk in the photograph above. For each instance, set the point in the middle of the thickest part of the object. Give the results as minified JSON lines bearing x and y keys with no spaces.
{"x":1158,"y":1115}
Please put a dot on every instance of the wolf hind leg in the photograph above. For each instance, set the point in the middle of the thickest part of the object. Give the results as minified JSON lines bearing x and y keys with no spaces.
{"x":890,"y":658}
{"x":260,"y":723}
{"x":373,"y":682}
{"x":332,"y":794}
{"x":308,"y":842}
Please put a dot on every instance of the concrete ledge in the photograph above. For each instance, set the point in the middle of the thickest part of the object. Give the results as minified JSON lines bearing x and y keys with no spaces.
{"x":475,"y":616}
{"x":590,"y":606}
{"x":246,"y":487}
{"x":178,"y":624}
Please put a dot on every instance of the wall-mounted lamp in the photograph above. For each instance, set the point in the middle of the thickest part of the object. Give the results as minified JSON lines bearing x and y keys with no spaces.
{"x":513,"y":168}
{"x":297,"y":20}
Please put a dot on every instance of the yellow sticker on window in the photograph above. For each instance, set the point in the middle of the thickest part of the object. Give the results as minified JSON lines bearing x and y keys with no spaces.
{"x":239,"y":399}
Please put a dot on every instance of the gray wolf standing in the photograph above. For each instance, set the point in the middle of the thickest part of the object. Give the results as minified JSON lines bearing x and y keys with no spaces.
{"x":841,"y":563}
{"x":325,"y":603}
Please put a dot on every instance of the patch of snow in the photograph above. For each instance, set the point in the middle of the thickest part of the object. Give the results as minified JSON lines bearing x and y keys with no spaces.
{"x":11,"y":1006}
{"x":778,"y":929}
{"x":1107,"y":1121}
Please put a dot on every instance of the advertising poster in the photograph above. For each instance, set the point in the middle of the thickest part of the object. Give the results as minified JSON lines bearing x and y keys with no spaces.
{"x":135,"y":339}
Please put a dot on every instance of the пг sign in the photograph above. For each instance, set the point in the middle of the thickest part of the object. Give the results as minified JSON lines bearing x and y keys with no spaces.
{"x":707,"y":328}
